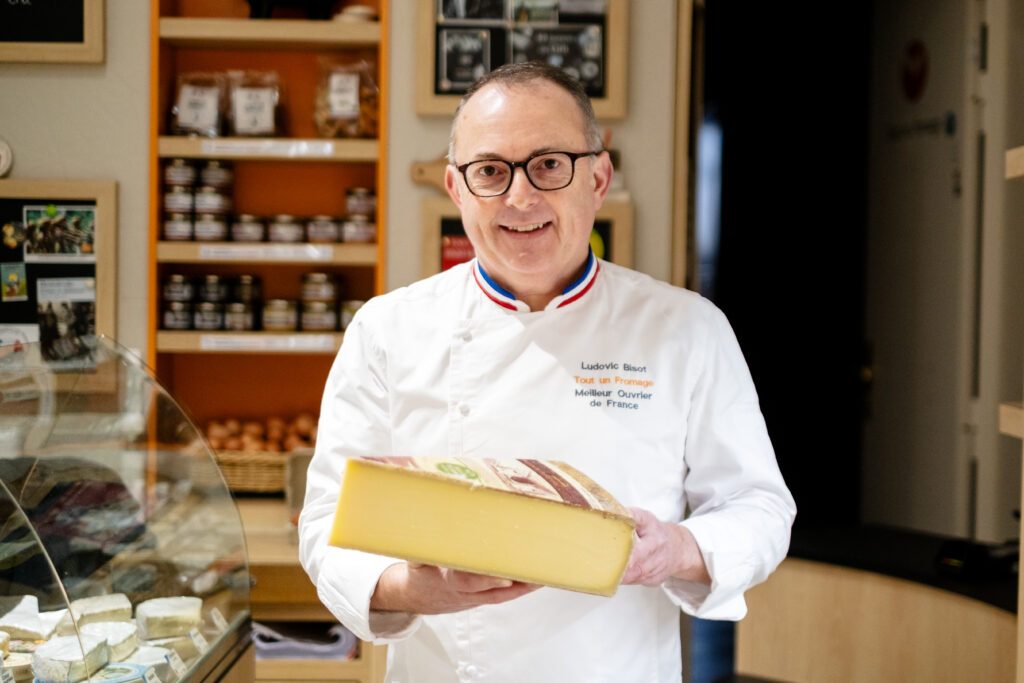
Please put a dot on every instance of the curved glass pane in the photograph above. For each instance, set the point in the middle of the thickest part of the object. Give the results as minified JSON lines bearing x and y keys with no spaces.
{"x":114,"y":510}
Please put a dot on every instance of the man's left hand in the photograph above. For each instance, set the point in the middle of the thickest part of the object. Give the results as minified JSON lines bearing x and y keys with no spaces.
{"x":661,"y":551}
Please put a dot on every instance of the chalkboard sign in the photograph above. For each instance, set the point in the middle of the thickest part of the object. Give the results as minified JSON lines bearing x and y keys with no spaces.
{"x":51,"y":31}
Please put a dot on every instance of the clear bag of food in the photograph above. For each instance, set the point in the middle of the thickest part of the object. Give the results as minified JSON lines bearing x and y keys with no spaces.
{"x":199,"y":106}
{"x":346,"y":100}
{"x":254,"y":103}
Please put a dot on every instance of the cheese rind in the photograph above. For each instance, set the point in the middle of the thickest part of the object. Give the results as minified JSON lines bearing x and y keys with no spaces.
{"x":20,"y":665}
{"x":20,"y":617}
{"x":152,"y":657}
{"x":122,"y":637}
{"x":535,"y":521}
{"x":68,"y":659}
{"x":165,"y":617}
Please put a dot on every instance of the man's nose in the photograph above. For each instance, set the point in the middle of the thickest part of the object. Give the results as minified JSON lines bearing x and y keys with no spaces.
{"x":521,"y":193}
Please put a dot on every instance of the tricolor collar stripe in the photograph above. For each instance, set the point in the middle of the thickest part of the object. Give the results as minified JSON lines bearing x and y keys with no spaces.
{"x":585,"y":287}
{"x":511,"y":305}
{"x":504,"y":298}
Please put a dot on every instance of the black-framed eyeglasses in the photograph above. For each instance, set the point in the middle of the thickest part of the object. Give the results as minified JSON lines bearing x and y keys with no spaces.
{"x":546,"y":171}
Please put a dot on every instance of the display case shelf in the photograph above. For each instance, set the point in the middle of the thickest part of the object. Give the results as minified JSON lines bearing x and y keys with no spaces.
{"x":267,"y":34}
{"x":193,"y":341}
{"x":268,"y":149}
{"x":264,"y":252}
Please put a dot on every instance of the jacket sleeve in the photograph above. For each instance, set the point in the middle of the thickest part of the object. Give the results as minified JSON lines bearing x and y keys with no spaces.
{"x":353,"y":422}
{"x":741,"y":511}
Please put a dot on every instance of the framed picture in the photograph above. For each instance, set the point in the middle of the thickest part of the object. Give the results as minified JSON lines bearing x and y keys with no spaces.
{"x":579,"y":50}
{"x":465,"y":57}
{"x":586,"y":37}
{"x":57,"y":258}
{"x":445,"y":243}
{"x":65,"y":31}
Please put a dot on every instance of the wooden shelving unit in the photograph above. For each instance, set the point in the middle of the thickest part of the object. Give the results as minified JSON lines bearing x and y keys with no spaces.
{"x":269,"y":149}
{"x":263,"y":252}
{"x":282,"y":592}
{"x":273,"y":35}
{"x":196,"y":341}
{"x":254,"y":375}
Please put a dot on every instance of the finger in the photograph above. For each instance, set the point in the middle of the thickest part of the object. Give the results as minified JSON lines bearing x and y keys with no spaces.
{"x":468,"y":582}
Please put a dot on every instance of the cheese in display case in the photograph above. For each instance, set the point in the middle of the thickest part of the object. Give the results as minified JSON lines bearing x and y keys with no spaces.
{"x":117,"y":531}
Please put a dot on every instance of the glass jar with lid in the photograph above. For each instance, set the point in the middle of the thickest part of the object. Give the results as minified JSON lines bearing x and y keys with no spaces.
{"x":319,"y":287}
{"x":178,"y":227}
{"x":358,"y":228}
{"x":285,"y":228}
{"x":179,"y":172}
{"x":323,"y":229}
{"x":217,"y":173}
{"x":319,"y":316}
{"x":248,"y":228}
{"x":280,"y":315}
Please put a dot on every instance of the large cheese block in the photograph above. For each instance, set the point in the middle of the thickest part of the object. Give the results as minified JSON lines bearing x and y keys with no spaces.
{"x":19,"y":617}
{"x":166,"y":617}
{"x":112,"y":607}
{"x":536,"y":521}
{"x":67,"y":659}
{"x":122,"y":636}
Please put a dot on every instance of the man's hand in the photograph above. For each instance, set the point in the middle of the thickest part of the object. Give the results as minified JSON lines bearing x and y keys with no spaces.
{"x":426,"y":589}
{"x":662,"y":551}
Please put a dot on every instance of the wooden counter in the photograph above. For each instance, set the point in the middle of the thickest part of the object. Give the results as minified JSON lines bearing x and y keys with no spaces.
{"x":812,"y":621}
{"x":281,"y":591}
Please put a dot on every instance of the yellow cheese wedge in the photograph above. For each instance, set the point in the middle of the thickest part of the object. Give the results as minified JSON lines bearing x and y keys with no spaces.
{"x":536,"y":521}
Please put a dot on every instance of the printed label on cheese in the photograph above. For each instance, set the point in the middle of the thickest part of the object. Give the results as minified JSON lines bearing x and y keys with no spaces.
{"x":535,"y":478}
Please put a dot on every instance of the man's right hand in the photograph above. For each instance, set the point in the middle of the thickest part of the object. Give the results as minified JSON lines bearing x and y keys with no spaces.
{"x":426,"y":589}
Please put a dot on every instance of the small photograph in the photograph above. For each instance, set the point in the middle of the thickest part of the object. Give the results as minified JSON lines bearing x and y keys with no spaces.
{"x":60,"y":233}
{"x":15,"y":284}
{"x":67,"y":319}
{"x":535,"y":11}
{"x":489,"y":10}
{"x":465,"y":57}
{"x":577,"y":50}
{"x":13,"y":235}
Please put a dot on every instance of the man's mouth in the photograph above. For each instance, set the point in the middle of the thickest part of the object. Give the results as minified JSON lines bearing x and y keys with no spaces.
{"x":526,"y":227}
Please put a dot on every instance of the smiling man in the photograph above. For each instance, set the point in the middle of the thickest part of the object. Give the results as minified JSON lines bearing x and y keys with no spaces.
{"x":485,"y":359}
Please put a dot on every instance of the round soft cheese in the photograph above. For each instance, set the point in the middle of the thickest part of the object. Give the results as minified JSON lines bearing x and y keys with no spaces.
{"x":67,"y":659}
{"x":122,"y":637}
{"x":164,"y":617}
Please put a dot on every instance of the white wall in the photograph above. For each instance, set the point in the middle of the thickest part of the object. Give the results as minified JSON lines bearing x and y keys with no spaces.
{"x":645,"y":139}
{"x":90,"y":122}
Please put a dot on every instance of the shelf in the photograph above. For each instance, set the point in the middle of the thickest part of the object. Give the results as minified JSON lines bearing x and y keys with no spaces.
{"x":1011,"y":419}
{"x":273,"y":149}
{"x":194,"y":341}
{"x":1015,"y":163}
{"x":263,"y":252}
{"x":267,"y":34}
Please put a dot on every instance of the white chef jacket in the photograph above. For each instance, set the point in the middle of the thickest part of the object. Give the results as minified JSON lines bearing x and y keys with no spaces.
{"x":638,"y":384}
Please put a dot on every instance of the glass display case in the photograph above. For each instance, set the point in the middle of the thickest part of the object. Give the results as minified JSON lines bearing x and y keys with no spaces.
{"x":122,"y":555}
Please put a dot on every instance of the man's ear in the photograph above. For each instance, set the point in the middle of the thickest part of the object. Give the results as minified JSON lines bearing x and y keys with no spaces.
{"x":603,"y":172}
{"x":451,"y":184}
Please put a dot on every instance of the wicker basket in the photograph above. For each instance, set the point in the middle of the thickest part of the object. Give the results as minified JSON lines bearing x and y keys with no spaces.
{"x":253,"y":471}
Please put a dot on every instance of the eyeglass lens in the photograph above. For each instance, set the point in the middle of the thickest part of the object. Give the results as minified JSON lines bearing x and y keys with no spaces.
{"x":493,"y":176}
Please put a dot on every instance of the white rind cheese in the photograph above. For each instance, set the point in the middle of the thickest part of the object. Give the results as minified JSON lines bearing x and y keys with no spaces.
{"x":122,"y":637}
{"x":183,"y":645}
{"x":20,"y":665}
{"x":113,"y":607}
{"x":165,"y":617}
{"x":20,"y":617}
{"x":66,"y":659}
{"x":152,"y":658}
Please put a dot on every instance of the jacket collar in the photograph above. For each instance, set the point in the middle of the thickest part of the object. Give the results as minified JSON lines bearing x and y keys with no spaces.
{"x":506,"y":299}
